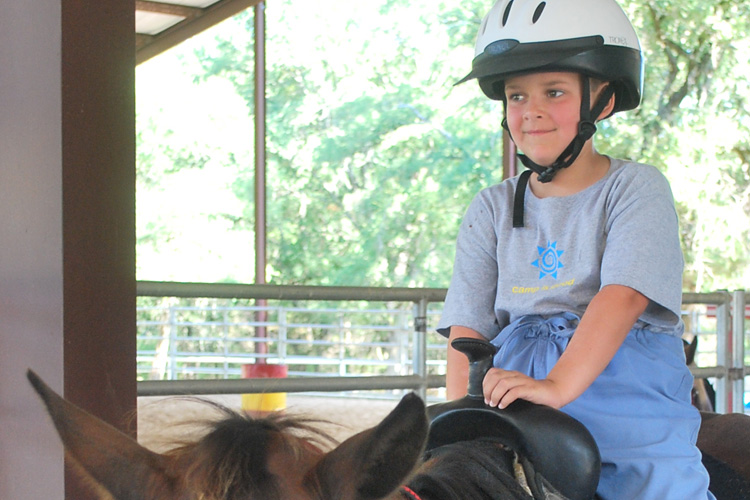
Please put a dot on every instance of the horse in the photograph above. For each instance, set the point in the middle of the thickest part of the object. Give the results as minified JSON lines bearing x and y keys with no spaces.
{"x":724,"y":441}
{"x":456,"y":450}
{"x":723,"y":438}
{"x":465,"y":450}
{"x":279,"y":457}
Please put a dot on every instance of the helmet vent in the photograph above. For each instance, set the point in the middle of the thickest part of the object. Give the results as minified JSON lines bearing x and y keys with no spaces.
{"x":538,"y":12}
{"x":506,"y":14}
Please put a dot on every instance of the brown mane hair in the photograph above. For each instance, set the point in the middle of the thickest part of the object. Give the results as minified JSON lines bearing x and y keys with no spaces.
{"x":231,"y":459}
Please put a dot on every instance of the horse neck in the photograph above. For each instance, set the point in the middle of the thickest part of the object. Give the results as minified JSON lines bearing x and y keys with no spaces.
{"x":480,"y":470}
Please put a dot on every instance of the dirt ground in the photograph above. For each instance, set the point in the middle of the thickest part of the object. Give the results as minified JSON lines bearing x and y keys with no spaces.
{"x":162,"y":421}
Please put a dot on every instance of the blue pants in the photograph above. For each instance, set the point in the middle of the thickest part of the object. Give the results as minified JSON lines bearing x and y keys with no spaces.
{"x":638,"y":409}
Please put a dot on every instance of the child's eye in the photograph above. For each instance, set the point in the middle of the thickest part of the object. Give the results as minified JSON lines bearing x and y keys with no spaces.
{"x":555,"y":93}
{"x":515,"y":97}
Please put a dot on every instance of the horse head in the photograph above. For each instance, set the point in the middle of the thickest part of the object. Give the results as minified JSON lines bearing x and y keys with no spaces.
{"x":242,"y":458}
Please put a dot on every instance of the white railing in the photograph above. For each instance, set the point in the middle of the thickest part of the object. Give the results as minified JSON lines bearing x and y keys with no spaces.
{"x":214,"y":339}
{"x":200,"y":348}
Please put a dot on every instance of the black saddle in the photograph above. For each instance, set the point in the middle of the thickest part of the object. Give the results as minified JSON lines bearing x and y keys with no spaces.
{"x":554,"y":447}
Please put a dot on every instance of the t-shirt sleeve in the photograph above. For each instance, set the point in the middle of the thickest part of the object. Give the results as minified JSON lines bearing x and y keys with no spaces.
{"x":471,"y":296}
{"x":643,"y":245}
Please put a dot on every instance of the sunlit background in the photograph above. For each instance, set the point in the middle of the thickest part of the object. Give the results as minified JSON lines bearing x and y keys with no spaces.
{"x":373,"y":154}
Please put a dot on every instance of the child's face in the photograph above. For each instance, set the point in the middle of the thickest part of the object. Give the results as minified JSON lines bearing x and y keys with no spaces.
{"x":543,"y":111}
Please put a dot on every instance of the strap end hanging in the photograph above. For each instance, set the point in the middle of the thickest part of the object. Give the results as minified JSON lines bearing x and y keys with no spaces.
{"x":519,"y":198}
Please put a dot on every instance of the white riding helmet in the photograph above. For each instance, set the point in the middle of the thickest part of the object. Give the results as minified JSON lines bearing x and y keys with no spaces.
{"x":592,"y":37}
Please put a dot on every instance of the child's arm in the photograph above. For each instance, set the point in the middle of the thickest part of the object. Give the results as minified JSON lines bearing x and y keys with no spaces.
{"x":603,"y":328}
{"x":457,"y":371}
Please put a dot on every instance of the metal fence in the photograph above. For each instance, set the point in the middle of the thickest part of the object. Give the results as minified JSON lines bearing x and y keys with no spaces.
{"x":215,"y":338}
{"x":195,"y":338}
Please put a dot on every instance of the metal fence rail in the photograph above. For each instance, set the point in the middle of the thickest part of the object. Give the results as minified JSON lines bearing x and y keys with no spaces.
{"x":415,"y":355}
{"x":229,"y":347}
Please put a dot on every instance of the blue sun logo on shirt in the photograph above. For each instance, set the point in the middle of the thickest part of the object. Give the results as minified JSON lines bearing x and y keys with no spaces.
{"x":549,"y":260}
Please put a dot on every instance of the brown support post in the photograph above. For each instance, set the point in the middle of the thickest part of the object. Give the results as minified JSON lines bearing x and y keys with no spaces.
{"x":98,"y":196}
{"x":98,"y":210}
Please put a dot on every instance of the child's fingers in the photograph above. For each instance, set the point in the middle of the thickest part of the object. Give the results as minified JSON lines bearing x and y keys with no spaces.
{"x":500,"y":387}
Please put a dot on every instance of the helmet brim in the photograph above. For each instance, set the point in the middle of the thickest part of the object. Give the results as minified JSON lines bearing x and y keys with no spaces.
{"x":619,"y":65}
{"x":509,"y":57}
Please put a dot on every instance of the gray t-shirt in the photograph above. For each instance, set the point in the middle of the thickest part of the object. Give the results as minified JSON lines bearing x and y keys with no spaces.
{"x":621,"y":230}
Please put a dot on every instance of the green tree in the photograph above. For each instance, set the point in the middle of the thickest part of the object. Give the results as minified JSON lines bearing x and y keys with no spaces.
{"x":372,"y":164}
{"x":693,"y":123}
{"x":373,"y":154}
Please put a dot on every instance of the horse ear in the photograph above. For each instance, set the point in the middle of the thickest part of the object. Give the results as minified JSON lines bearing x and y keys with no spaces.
{"x":690,"y":350}
{"x":372,"y":464}
{"x":109,"y":458}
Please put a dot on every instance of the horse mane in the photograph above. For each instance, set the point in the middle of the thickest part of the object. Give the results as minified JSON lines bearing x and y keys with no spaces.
{"x":481,"y":469}
{"x":231,"y":459}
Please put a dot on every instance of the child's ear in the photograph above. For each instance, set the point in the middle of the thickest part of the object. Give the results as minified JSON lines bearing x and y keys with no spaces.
{"x":608,"y":109}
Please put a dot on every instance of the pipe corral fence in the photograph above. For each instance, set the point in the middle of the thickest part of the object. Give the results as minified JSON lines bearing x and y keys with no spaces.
{"x":194,"y":338}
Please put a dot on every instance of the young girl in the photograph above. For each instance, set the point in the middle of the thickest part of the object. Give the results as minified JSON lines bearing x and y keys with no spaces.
{"x":574,"y":268}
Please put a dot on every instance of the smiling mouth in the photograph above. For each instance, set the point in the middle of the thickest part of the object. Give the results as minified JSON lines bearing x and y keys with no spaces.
{"x":538,"y":132}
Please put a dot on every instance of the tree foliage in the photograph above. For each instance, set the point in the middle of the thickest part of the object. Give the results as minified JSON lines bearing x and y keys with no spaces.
{"x":693,"y":123}
{"x":373,"y":154}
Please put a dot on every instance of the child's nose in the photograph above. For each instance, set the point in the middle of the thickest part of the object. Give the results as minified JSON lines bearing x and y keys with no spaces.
{"x":534,"y":108}
{"x":533,"y":112}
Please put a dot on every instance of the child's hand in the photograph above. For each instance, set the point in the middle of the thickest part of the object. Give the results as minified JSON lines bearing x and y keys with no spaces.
{"x":502,"y":387}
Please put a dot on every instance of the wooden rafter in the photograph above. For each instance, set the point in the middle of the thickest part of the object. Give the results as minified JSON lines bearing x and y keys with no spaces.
{"x":168,"y":8}
{"x":194,"y":21}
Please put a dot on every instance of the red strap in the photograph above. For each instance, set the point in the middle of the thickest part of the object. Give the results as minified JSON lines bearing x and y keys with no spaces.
{"x":410,"y":493}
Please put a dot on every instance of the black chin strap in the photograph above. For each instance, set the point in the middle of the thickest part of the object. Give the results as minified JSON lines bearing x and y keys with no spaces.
{"x":586,"y":130}
{"x":519,"y":198}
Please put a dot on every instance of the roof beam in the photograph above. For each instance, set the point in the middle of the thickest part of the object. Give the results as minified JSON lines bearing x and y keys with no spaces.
{"x":150,"y":46}
{"x":168,"y":8}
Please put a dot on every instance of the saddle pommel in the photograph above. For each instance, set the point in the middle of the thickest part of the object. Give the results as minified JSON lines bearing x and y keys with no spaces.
{"x":480,"y":354}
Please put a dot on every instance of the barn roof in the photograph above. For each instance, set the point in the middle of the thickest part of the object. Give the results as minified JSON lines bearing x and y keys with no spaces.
{"x":162,"y":25}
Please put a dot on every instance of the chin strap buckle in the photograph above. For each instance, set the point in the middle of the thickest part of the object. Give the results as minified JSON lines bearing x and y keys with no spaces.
{"x":586,"y":130}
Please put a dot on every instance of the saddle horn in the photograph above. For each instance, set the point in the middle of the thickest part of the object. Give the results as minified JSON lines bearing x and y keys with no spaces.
{"x":558,"y":447}
{"x":480,"y":354}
